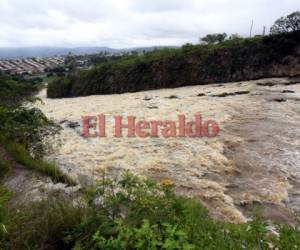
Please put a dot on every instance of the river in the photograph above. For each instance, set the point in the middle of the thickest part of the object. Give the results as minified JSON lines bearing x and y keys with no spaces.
{"x":255,"y":159}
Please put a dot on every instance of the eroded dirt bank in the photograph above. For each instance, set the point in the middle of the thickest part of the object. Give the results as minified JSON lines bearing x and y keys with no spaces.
{"x":254,"y":159}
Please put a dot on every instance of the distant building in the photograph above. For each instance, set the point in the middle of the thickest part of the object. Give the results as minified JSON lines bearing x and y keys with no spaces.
{"x":30,"y":66}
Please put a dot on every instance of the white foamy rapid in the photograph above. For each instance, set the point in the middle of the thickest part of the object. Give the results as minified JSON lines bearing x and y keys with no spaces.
{"x":214,"y":170}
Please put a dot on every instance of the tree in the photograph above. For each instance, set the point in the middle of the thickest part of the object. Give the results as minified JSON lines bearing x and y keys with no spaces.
{"x":214,"y":38}
{"x":287,"y":24}
{"x":235,"y":37}
{"x":187,"y":46}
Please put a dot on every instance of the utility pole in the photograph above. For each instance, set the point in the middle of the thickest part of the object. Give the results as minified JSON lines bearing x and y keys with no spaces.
{"x":264,"y":31}
{"x":251,"y":28}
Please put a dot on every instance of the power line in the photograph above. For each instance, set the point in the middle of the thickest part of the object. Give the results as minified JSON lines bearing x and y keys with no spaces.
{"x":251,"y":28}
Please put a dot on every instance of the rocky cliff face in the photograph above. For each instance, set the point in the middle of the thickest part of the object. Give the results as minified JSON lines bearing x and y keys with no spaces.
{"x":245,"y":59}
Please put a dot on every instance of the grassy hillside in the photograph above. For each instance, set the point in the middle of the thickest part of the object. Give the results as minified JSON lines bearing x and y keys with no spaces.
{"x":232,"y":60}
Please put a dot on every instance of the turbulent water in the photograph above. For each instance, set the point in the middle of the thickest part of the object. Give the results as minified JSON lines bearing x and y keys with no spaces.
{"x":254,"y":159}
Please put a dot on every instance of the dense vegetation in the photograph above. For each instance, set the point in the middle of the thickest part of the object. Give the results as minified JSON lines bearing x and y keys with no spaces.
{"x":25,"y":132}
{"x":133,"y":213}
{"x":14,"y":89}
{"x":231,"y":60}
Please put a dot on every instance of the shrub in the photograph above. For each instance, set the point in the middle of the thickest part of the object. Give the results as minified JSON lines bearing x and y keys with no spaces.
{"x":13,"y":90}
{"x":134,"y":213}
{"x":42,"y":225}
{"x":25,"y":132}
{"x":29,"y":127}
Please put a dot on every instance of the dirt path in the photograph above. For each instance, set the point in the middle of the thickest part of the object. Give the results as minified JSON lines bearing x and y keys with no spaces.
{"x":27,"y":186}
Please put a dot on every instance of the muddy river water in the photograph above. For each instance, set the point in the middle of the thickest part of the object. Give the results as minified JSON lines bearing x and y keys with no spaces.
{"x":255,"y":159}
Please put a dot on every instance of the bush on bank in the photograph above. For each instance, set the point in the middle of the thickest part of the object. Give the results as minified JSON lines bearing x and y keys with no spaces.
{"x":25,"y":132}
{"x":134,"y":213}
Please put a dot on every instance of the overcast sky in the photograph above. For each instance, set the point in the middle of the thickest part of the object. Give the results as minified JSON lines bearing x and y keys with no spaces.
{"x":131,"y":23}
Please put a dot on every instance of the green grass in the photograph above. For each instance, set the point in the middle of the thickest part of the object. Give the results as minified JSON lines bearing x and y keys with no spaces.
{"x":5,"y":168}
{"x":133,"y":213}
{"x":21,"y":156}
{"x":5,"y":195}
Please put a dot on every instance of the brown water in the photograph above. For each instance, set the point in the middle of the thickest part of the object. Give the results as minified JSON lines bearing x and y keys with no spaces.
{"x":254,"y":159}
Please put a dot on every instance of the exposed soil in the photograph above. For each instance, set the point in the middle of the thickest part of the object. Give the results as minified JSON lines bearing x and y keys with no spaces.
{"x":27,"y":186}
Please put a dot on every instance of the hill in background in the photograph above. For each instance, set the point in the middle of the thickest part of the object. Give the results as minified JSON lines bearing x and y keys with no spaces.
{"x":27,"y":52}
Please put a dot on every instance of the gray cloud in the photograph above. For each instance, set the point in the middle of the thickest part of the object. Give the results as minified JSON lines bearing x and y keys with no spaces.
{"x":130,"y":23}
